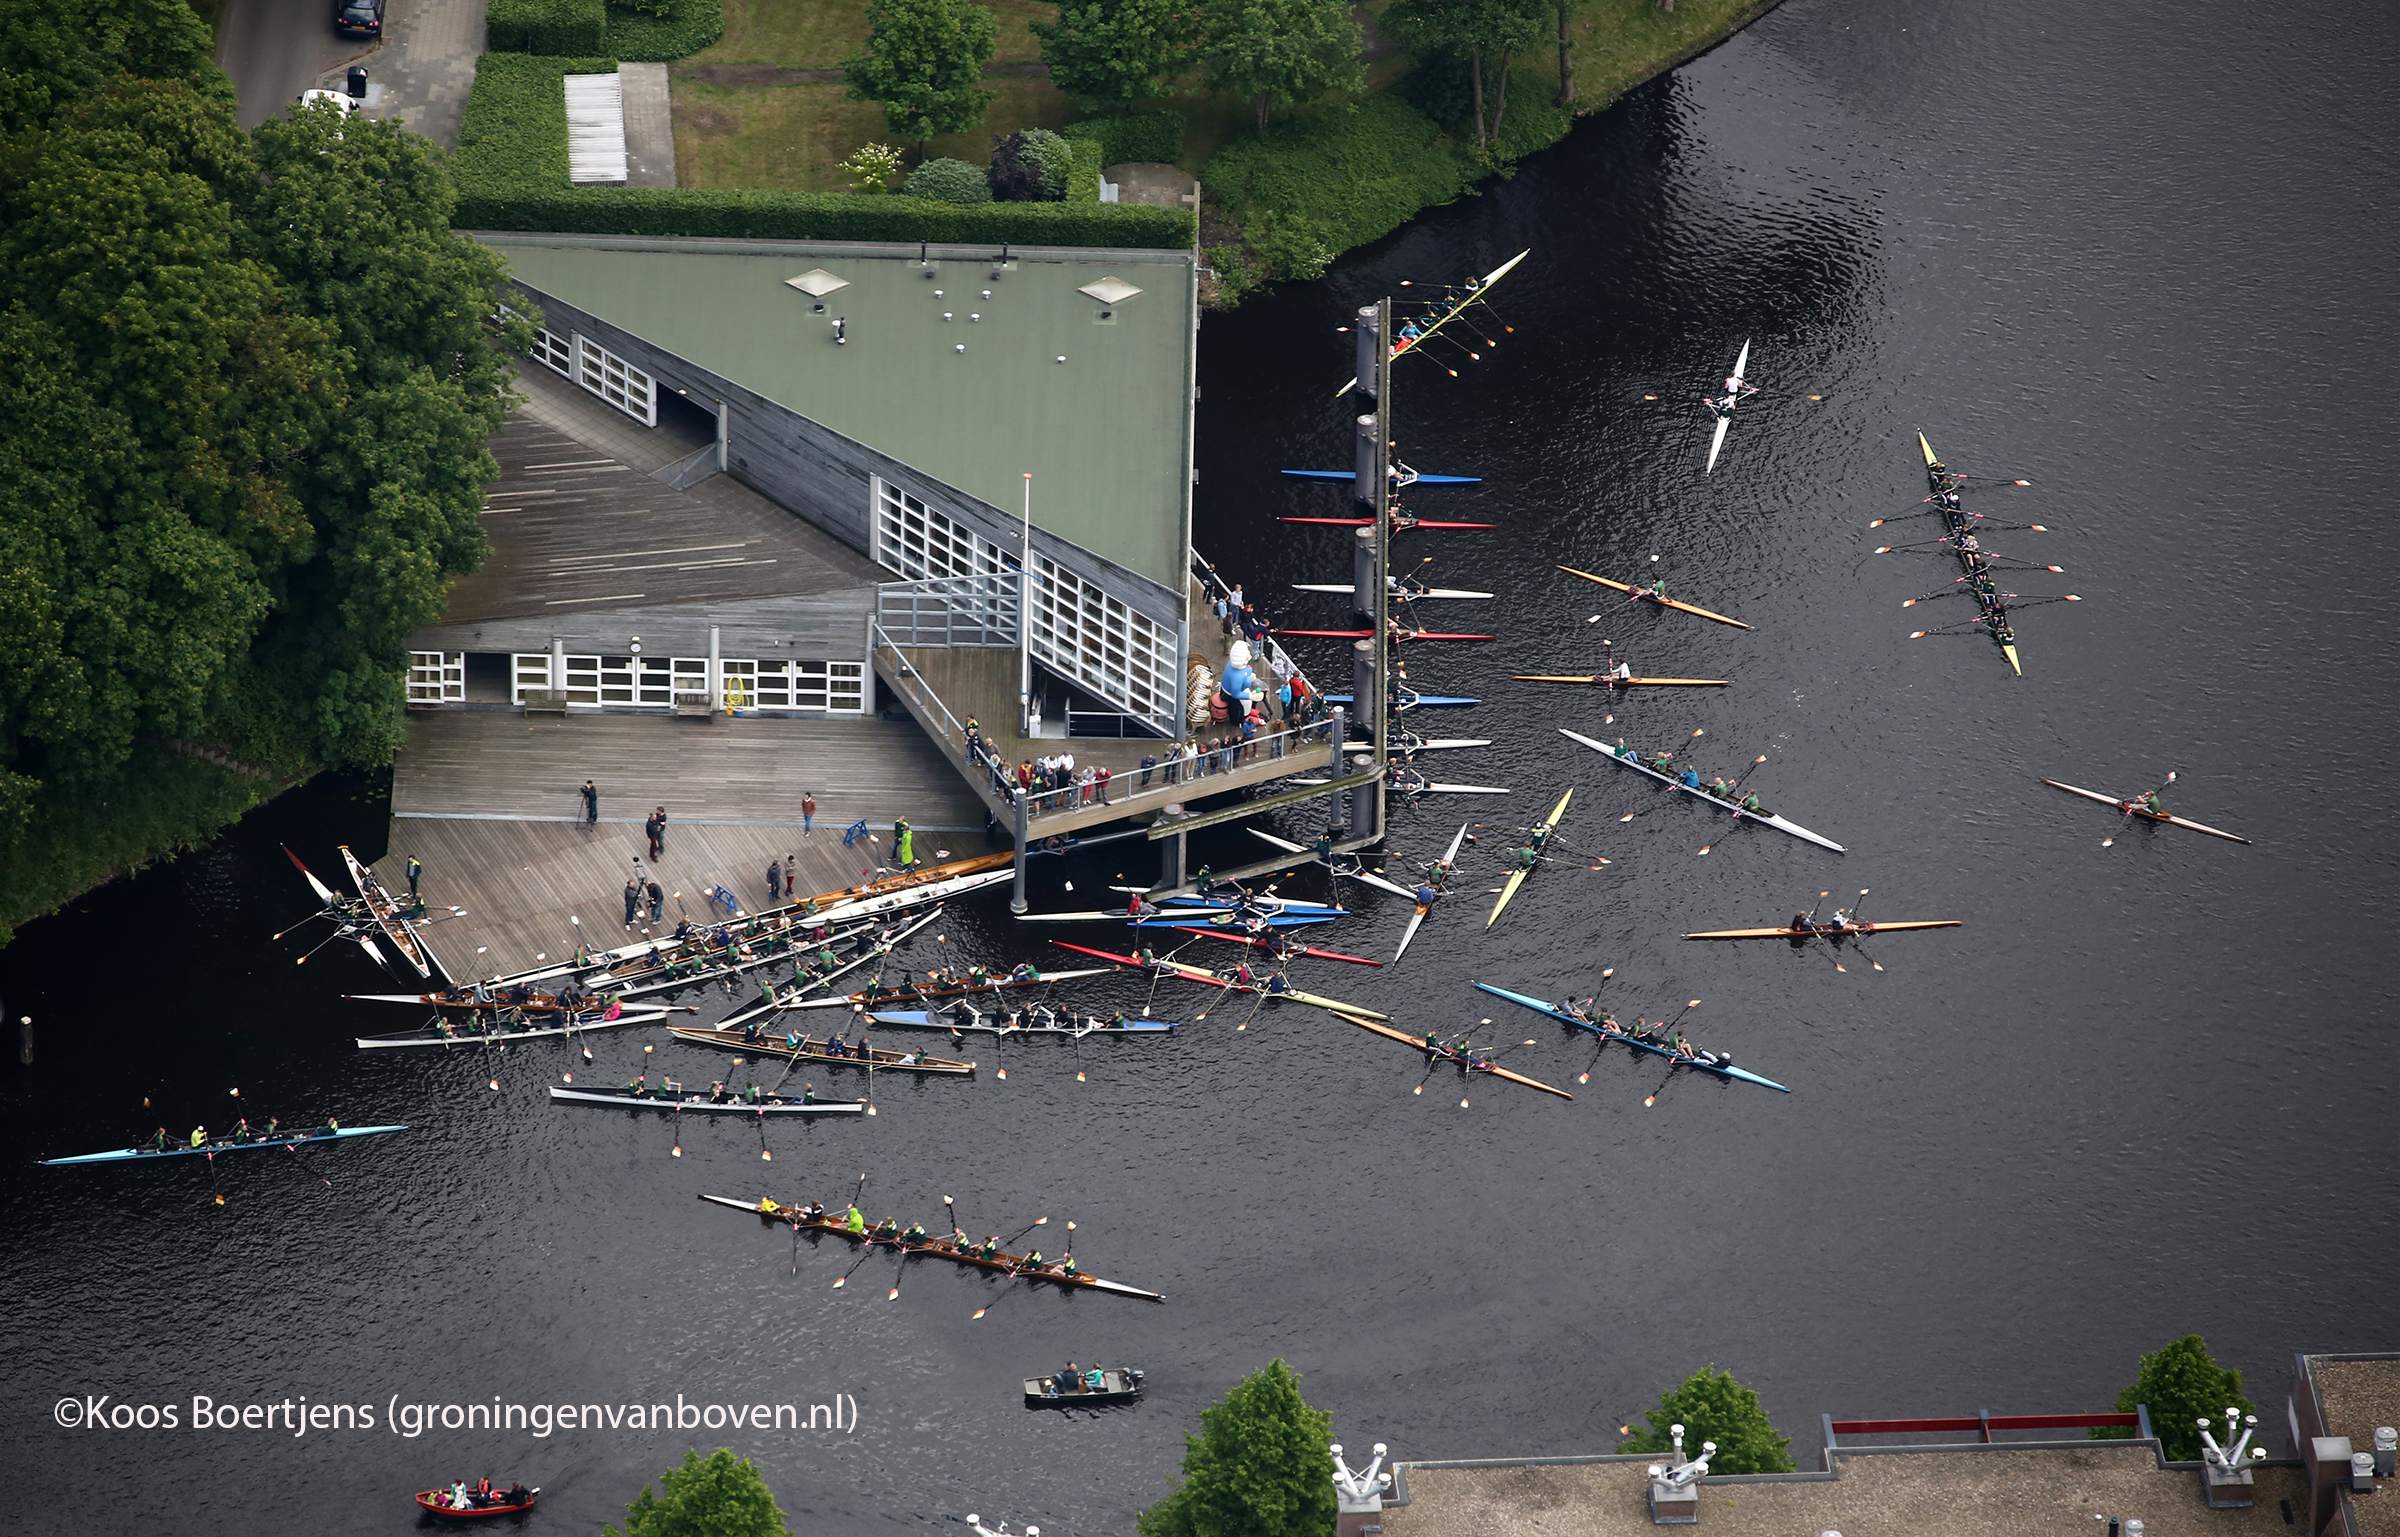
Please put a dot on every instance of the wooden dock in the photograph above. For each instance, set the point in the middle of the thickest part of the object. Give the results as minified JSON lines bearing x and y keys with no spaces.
{"x":488,"y":802}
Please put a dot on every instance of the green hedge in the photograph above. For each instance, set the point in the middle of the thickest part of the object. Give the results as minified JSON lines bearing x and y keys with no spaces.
{"x":514,"y":135}
{"x":1308,"y":188}
{"x":1083,"y":182}
{"x":546,"y":26}
{"x":647,"y":39}
{"x":815,"y":216}
{"x":1133,"y":136}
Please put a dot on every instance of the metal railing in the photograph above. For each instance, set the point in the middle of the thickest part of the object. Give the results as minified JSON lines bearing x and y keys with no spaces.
{"x":980,"y":610}
{"x":912,"y":682}
{"x":1178,"y":777}
{"x":1266,"y":647}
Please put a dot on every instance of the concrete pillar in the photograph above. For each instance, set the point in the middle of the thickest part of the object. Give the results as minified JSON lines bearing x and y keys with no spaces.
{"x":1366,"y":687}
{"x":724,"y":437}
{"x":1016,"y":896}
{"x":1366,"y":571}
{"x":1172,"y":855}
{"x":716,"y":672}
{"x":1367,"y":333}
{"x":1367,"y":472}
{"x":558,"y":663}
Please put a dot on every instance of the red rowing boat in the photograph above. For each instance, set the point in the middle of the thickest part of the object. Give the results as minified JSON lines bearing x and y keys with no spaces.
{"x":1256,"y":943}
{"x":498,"y":1503}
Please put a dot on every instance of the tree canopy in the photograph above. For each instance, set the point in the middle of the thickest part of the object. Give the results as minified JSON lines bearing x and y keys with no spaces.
{"x":1485,"y":33}
{"x":252,"y":384}
{"x":1711,"y":1406}
{"x":1282,"y":53}
{"x":1262,"y":1466}
{"x":922,"y":62}
{"x":2182,"y":1384}
{"x":721,"y":1496}
{"x":1108,"y":53}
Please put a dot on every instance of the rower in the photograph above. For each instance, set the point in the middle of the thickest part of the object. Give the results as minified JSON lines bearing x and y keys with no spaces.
{"x":1068,"y":1379}
{"x":639,"y":1086}
{"x":1025,"y":971}
{"x":814,"y":1211}
{"x":1621,"y":673}
{"x":887,"y":1228}
{"x":1033,"y":1259}
{"x":1689,"y":779}
{"x":1277,"y":985}
{"x":755,"y":1093}
{"x":1066,"y":1265}
{"x":991,"y":1246}
{"x":162,"y":1141}
{"x":1529,"y":856}
{"x":915,"y":1233}
{"x":241,"y":1130}
{"x":716,"y":1092}
{"x":808,"y":1094}
{"x":1800,"y":921}
{"x":1751,"y":805}
{"x":1426,"y":895}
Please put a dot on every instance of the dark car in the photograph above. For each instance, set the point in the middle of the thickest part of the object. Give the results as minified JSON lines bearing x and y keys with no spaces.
{"x":358,"y":18}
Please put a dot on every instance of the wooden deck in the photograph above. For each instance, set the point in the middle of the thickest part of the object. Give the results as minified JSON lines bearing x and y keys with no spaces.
{"x":488,"y":801}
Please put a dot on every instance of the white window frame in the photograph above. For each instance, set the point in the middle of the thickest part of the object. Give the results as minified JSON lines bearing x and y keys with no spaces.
{"x":921,"y":544}
{"x":437,"y":677}
{"x":554,"y":352}
{"x":1114,"y":651}
{"x":616,"y":381}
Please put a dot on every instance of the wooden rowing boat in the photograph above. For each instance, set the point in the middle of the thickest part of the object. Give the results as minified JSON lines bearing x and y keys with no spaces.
{"x":388,"y":916}
{"x":211,"y":1149}
{"x":1722,"y":1067}
{"x":1541,"y":840}
{"x":878,"y":1058}
{"x":1211,"y":979}
{"x":773,"y":1104}
{"x":1456,"y":1058}
{"x":965,"y":1017}
{"x":1604,"y":680}
{"x":1766,"y":817}
{"x":1673,"y":603}
{"x":1012,"y":1266}
{"x":2144,"y":813}
{"x":1825,"y":930}
{"x":497,"y":1032}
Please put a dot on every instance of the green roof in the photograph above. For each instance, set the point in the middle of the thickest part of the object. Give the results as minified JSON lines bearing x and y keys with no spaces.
{"x":1106,"y":433}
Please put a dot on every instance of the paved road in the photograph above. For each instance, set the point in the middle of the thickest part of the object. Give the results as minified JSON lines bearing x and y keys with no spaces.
{"x":275,"y":49}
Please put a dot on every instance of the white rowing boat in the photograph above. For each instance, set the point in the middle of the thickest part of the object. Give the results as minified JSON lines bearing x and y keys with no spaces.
{"x":1403,"y":594}
{"x":1771,"y":820}
{"x":1733,"y":398}
{"x":1417,"y":919}
{"x":1369,"y":877}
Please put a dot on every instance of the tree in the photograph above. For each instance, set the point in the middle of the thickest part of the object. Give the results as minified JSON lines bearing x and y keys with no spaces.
{"x":1477,"y":31}
{"x":1108,"y":53}
{"x":1711,"y":1406}
{"x":1283,"y":53}
{"x":1262,"y":1466}
{"x":1566,"y":51}
{"x":2182,"y":1384}
{"x":922,"y":61}
{"x":721,"y":1497}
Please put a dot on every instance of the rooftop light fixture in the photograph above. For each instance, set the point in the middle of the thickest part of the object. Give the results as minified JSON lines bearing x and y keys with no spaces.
{"x":1110,"y":290}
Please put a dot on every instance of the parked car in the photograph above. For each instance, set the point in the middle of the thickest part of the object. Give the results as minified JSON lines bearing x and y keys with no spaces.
{"x":358,"y":18}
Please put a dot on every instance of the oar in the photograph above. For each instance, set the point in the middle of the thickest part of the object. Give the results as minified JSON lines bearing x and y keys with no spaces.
{"x":293,"y":1148}
{"x":1670,"y":1026}
{"x":1014,"y":1270}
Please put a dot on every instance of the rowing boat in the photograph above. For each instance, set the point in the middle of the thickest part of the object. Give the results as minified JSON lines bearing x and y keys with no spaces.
{"x":1400,"y":593}
{"x":437,"y":1502}
{"x":1733,"y":398}
{"x":341,"y":913}
{"x":964,"y":1017}
{"x":773,"y":1104}
{"x":1420,"y":480}
{"x":1010,"y":1265}
{"x":1180,"y":917}
{"x":769,"y":1003}
{"x":1417,"y":919}
{"x":1396,"y":635}
{"x":1368,"y":522}
{"x":1608,"y":680}
{"x":1766,"y":817}
{"x":2144,"y":813}
{"x":1410,"y":701}
{"x":1257,"y":943}
{"x":1116,"y":1387}
{"x":1269,"y":900}
{"x":1440,"y":1053}
{"x":1362,"y":874}
{"x":1956,"y":523}
{"x":1209,"y":978}
{"x":464,"y":1002}
{"x":1825,"y":930}
{"x":959,"y":990}
{"x":388,"y":917}
{"x":878,"y":1058}
{"x":1408,"y":742}
{"x":1540,"y":835}
{"x":1424,"y":787}
{"x":1474,"y":294}
{"x":1722,"y":1067}
{"x":1110,"y":915}
{"x":211,"y":1149}
{"x":496,"y":1034}
{"x":1647,"y":596}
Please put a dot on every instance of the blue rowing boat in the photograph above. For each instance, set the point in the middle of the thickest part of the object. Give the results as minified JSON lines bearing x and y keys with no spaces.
{"x":1722,"y":1067}
{"x":133,"y":1154}
{"x":1409,"y":701}
{"x":1184,"y":919}
{"x":1422,"y":480}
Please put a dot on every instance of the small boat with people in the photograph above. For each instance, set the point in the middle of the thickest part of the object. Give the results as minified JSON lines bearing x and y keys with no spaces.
{"x":1660,"y":1040}
{"x":1689,"y":782}
{"x":242,"y":1139}
{"x":1462,"y":1055}
{"x":913,"y":1242}
{"x":1034,"y":1019}
{"x":489,"y":1030}
{"x":718,"y":1100}
{"x":832,"y":1051}
{"x":940,"y":985}
{"x":2148,"y":807}
{"x":463,"y":1501}
{"x":1240,"y":980}
{"x":1082,"y":1387}
{"x":1654,"y":592}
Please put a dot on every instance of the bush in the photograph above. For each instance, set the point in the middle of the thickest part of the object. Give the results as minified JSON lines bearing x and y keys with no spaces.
{"x":1711,"y":1406}
{"x":1133,"y":136}
{"x":871,"y":167}
{"x":948,"y":181}
{"x":2182,"y":1384}
{"x":1338,"y":179}
{"x":1030,"y":167}
{"x":1443,"y":88}
{"x":546,"y":26}
{"x":666,"y":35}
{"x":1083,"y":178}
{"x":514,"y":135}
{"x":819,"y":216}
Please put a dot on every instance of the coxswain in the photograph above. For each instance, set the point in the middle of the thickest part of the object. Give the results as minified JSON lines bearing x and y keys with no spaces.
{"x":1689,"y":779}
{"x":333,"y":1128}
{"x":808,"y":1094}
{"x":854,"y":1219}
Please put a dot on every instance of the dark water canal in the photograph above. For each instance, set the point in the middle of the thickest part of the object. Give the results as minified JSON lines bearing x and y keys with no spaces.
{"x":2138,"y":255}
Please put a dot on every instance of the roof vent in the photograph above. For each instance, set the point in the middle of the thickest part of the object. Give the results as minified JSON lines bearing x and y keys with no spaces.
{"x":1110,"y":290}
{"x":816,"y":282}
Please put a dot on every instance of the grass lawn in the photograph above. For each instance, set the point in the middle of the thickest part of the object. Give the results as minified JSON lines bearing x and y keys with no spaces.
{"x":1621,"y":43}
{"x":818,"y":34}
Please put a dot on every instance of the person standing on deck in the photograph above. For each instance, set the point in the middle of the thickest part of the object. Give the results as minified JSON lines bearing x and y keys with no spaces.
{"x":633,"y":898}
{"x":415,"y":872}
{"x":904,"y":845}
{"x":654,"y":826}
{"x":591,"y":804}
{"x":808,"y":812}
{"x":658,"y":902}
{"x":1101,"y":777}
{"x":774,"y":881}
